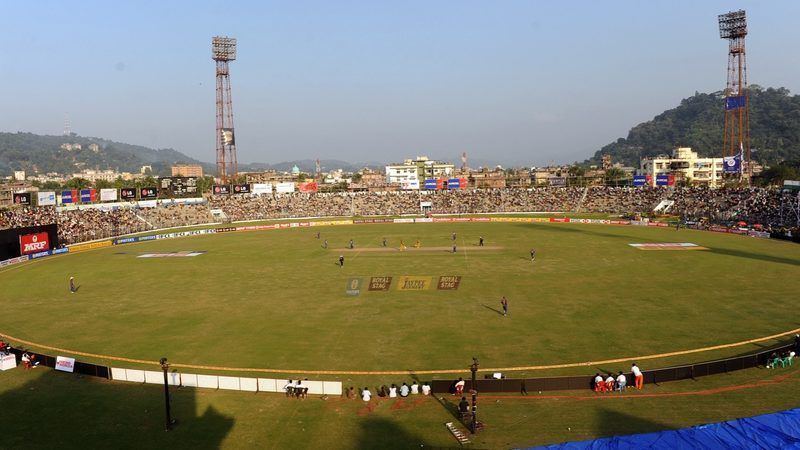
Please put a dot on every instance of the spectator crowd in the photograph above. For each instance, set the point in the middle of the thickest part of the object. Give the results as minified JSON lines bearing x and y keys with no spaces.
{"x":751,"y":205}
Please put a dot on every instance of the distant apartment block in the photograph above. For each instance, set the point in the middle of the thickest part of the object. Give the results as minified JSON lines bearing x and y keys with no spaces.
{"x":187,"y":170}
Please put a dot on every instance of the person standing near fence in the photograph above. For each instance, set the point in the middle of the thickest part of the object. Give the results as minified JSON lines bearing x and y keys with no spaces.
{"x":637,"y":376}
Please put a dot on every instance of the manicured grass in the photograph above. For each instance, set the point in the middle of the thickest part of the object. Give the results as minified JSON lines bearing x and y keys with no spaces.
{"x":42,"y":408}
{"x":276,"y":299}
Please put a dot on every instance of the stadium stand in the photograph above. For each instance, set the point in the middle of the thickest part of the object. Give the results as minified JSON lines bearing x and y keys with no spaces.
{"x":711,"y":206}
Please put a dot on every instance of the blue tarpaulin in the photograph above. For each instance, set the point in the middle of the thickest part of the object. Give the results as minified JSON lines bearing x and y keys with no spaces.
{"x":735,"y":102}
{"x":770,"y":431}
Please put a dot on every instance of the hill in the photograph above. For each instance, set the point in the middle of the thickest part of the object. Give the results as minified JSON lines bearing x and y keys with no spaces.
{"x":698,"y":123}
{"x":37,"y":153}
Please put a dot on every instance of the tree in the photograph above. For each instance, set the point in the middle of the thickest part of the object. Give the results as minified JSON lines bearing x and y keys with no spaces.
{"x":103,"y":184}
{"x":77,"y":183}
{"x":777,"y":174}
{"x":204,"y":184}
{"x":614,"y":174}
{"x":119,"y":183}
{"x":51,"y":185}
{"x":147,"y":181}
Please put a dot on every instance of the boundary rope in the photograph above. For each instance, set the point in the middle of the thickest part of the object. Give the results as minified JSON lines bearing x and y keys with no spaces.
{"x":407,"y":371}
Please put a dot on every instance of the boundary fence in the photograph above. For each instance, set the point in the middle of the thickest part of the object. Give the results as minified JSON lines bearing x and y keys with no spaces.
{"x":566,"y":383}
{"x":517,"y":385}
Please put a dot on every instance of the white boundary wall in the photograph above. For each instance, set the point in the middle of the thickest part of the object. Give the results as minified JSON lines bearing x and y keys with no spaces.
{"x":244,"y":384}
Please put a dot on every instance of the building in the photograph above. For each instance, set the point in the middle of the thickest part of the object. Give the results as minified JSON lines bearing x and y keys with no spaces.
{"x":686,"y":167}
{"x":7,"y":191}
{"x":19,"y":175}
{"x":187,"y":170}
{"x":70,"y":147}
{"x":94,"y":175}
{"x":487,"y":179}
{"x":269,"y":176}
{"x":412,"y":173}
{"x":518,"y":178}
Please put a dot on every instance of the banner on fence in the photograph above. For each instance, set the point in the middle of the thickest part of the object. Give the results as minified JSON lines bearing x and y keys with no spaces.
{"x":108,"y":195}
{"x":241,"y":188}
{"x":88,"y":195}
{"x":148,"y":192}
{"x":22,"y":198}
{"x":91,"y":246}
{"x":310,"y":186}
{"x":262,"y":188}
{"x":284,"y":188}
{"x":65,"y":364}
{"x":34,"y":243}
{"x":127,"y":194}
{"x":45,"y":198}
{"x":69,"y":197}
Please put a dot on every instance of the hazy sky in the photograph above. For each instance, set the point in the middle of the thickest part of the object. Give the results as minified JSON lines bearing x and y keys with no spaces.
{"x":524,"y":82}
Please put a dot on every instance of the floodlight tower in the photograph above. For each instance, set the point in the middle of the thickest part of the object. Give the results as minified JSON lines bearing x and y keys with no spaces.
{"x":223,"y":49}
{"x":733,"y":27}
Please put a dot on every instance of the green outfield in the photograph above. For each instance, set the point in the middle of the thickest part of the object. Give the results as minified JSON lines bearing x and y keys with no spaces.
{"x":277,"y":299}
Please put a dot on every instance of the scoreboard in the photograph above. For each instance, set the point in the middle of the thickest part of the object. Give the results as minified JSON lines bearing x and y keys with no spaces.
{"x":177,"y":186}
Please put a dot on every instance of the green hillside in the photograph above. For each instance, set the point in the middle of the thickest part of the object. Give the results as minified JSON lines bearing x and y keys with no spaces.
{"x":37,"y":153}
{"x":698,"y":123}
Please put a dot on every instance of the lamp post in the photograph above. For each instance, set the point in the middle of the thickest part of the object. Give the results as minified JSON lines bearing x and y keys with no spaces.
{"x":169,"y":420}
{"x":474,"y":391}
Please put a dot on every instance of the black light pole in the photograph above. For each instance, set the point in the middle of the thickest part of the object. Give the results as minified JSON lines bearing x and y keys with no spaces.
{"x":165,"y":368}
{"x":474,"y":391}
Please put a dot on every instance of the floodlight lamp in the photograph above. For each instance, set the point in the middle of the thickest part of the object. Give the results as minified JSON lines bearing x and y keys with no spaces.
{"x":223,"y":48}
{"x":733,"y":25}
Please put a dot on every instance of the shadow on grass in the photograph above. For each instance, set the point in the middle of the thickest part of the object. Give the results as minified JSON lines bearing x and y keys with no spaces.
{"x":611,"y":422}
{"x":59,"y":410}
{"x":568,"y":230}
{"x":385,"y":434}
{"x":492,"y":309}
{"x":756,"y":256}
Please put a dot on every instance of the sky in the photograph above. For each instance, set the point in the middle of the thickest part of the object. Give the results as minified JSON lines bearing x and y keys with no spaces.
{"x":508,"y":81}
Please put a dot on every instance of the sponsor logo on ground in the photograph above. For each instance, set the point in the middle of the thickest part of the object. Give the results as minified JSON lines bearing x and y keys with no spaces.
{"x":668,"y":246}
{"x":170,"y":254}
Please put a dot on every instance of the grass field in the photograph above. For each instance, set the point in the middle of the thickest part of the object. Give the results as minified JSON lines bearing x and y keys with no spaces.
{"x":276,"y":299}
{"x":46,"y":409}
